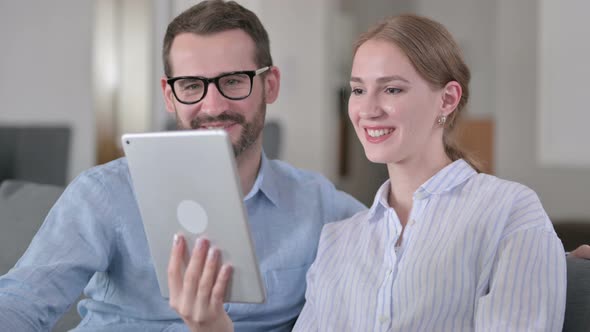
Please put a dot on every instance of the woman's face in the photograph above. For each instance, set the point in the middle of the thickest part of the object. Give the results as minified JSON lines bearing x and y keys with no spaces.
{"x":393,"y":109}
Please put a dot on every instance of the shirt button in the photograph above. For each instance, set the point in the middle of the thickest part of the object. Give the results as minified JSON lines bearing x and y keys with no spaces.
{"x":412,"y":222}
{"x":383,"y":319}
{"x":389,"y":272}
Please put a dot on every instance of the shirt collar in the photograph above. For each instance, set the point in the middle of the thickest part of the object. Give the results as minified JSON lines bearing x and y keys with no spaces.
{"x":380,"y":202}
{"x":265,"y":182}
{"x":444,"y":180}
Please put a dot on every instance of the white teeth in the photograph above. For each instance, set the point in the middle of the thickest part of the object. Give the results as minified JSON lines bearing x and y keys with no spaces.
{"x":214,"y":127}
{"x":378,"y":132}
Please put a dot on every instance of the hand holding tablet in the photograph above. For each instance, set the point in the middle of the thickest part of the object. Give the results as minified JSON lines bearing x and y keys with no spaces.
{"x":198,"y":294}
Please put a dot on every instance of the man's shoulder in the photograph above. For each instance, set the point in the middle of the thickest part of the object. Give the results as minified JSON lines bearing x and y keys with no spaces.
{"x":502,"y":189}
{"x":289,"y":172}
{"x":310,"y":185}
{"x":111,"y":178}
{"x":114,"y":171}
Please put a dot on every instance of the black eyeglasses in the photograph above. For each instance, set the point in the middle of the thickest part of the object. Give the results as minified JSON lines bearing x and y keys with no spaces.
{"x":235,"y":85}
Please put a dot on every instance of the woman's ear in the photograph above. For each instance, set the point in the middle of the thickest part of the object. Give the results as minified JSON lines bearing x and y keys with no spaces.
{"x":451,"y":96}
{"x":272,"y":84}
{"x":168,"y":95}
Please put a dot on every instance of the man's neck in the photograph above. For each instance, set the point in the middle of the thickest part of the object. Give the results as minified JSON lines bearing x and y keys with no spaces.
{"x":248,"y":163}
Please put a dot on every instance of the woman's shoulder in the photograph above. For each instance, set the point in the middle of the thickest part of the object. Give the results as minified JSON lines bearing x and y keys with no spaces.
{"x":346,"y":227}
{"x":501,"y":187}
{"x":522,"y":206}
{"x":336,"y":237}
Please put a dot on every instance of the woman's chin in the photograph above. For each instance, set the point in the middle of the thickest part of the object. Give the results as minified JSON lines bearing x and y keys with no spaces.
{"x":378,"y":158}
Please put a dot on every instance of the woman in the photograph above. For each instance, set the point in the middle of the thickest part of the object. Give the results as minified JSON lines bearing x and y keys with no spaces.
{"x":443,"y":247}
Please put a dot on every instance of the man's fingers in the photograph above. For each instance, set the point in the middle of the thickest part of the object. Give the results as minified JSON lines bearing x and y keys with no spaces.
{"x":175,"y":269}
{"x":582,"y":251}
{"x":193,"y":273}
{"x":221,"y":285}
{"x":208,"y":278}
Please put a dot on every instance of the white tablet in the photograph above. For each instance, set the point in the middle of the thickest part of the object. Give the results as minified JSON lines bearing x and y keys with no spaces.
{"x":187,"y":182}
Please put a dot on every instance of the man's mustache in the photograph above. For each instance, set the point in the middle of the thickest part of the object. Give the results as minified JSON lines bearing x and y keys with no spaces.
{"x":198,"y":122}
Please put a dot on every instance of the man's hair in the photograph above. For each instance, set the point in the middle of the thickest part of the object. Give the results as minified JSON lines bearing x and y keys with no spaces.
{"x":209,"y":17}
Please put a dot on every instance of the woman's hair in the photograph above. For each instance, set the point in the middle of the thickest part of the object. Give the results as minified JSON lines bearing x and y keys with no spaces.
{"x":436,"y":57}
{"x":209,"y":17}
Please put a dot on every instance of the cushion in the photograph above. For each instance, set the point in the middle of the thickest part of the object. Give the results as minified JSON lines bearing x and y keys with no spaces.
{"x":23,"y":207}
{"x":577,"y":310}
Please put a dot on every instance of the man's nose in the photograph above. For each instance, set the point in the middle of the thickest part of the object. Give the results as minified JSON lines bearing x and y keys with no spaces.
{"x":214,"y":103}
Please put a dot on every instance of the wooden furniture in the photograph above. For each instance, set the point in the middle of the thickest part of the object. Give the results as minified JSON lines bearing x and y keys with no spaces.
{"x":476,"y":136}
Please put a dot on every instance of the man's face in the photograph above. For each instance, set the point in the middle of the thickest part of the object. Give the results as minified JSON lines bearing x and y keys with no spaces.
{"x":210,"y":56}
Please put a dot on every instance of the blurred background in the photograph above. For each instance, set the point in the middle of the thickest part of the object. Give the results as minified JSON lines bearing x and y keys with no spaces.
{"x":75,"y":75}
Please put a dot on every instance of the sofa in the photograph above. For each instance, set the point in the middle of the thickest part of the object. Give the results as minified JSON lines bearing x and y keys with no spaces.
{"x":23,"y":206}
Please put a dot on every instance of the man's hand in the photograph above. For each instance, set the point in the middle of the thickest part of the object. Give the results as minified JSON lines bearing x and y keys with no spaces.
{"x":198,"y":295}
{"x":582,"y":251}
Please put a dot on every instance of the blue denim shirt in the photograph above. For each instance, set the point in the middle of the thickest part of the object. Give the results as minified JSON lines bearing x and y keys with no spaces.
{"x":93,"y":241}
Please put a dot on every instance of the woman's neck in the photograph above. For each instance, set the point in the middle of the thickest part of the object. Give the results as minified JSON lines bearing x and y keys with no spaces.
{"x":407,"y":176}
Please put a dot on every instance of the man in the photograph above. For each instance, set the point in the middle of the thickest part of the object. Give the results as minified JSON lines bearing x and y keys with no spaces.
{"x":93,"y":238}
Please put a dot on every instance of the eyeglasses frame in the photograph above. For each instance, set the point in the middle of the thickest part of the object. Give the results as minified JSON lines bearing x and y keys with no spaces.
{"x":215,"y":80}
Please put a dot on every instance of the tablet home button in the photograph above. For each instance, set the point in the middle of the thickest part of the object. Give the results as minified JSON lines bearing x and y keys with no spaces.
{"x":192,"y":216}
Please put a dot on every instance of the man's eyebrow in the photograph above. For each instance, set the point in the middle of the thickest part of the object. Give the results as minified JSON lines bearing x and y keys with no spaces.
{"x":384,"y":79}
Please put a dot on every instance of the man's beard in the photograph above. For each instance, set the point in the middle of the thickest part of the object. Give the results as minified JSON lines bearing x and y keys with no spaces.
{"x":250,"y":130}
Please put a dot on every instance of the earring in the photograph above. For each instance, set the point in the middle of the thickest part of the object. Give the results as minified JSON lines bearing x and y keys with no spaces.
{"x":441,"y":120}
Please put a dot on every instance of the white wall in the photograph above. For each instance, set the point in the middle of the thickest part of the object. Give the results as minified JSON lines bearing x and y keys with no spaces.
{"x":562,"y":84}
{"x":563,"y":191}
{"x":135,"y":79}
{"x":306,"y":108}
{"x":162,"y":14}
{"x":45,"y":70}
{"x":472,"y":24}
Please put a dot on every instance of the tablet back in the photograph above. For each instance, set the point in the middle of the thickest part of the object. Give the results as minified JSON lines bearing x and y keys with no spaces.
{"x":187,"y":182}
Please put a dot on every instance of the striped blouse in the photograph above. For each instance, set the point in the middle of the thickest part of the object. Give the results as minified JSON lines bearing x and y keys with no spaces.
{"x":478,"y":254}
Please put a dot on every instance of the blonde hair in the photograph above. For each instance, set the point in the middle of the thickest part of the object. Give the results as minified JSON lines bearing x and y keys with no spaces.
{"x":436,"y":57}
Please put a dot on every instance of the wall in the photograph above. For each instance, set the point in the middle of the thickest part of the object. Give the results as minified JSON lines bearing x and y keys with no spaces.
{"x":122,"y":72}
{"x":562,"y":84}
{"x":563,"y":191}
{"x":472,"y":24}
{"x":45,"y":66}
